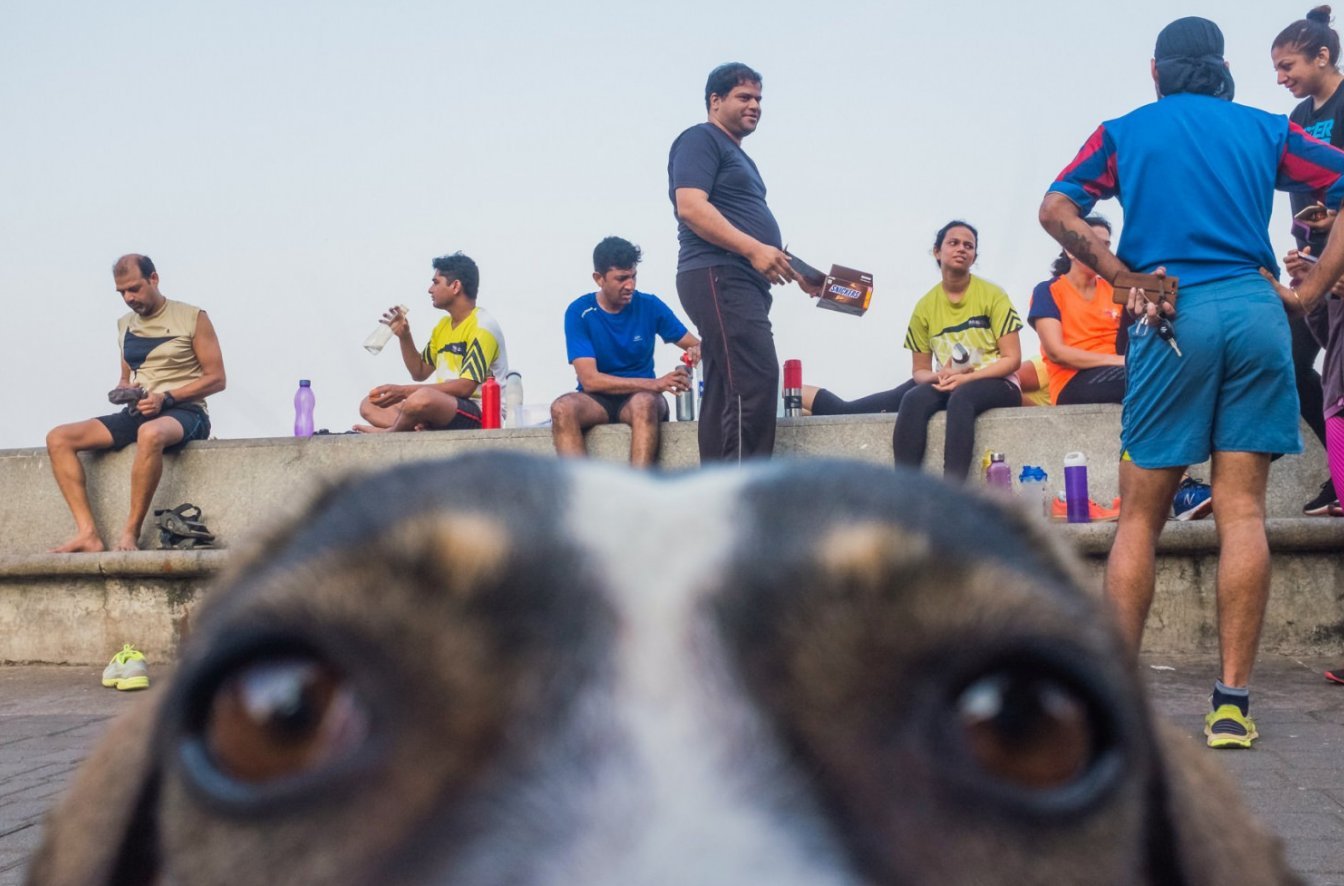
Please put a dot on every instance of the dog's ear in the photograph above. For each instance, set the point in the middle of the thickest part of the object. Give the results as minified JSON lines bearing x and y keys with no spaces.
{"x":104,"y":831}
{"x":1207,"y":836}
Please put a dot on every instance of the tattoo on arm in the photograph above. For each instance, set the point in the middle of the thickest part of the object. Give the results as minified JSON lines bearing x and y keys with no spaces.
{"x":1077,"y":245}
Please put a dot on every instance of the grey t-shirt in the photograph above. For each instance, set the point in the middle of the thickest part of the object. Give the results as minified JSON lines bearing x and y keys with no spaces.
{"x":705,"y":157}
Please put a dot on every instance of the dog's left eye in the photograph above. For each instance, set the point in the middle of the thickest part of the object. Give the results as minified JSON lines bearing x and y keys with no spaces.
{"x":280,"y":718}
{"x":1027,"y":729}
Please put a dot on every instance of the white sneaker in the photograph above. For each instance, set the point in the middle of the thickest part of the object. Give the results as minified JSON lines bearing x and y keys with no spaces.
{"x":127,"y":670}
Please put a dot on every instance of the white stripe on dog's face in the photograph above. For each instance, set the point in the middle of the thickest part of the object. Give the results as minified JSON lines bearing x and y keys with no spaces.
{"x":695,"y":763}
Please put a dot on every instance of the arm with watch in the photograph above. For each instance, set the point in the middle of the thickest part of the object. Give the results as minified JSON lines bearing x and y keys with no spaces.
{"x":205,"y":344}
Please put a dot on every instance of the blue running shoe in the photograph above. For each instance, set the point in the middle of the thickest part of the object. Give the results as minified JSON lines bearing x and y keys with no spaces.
{"x":1193,"y":500}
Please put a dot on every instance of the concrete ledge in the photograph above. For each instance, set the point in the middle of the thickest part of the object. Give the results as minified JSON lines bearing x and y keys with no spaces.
{"x":241,"y":484}
{"x":80,"y":608}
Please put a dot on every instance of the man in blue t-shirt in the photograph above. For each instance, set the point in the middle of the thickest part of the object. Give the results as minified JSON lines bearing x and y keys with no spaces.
{"x":1196,"y":176}
{"x":609,"y":339}
{"x":730,"y":256}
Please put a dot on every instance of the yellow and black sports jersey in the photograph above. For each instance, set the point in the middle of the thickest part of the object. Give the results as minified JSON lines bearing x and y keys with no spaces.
{"x":974,"y":325}
{"x":473,"y":349}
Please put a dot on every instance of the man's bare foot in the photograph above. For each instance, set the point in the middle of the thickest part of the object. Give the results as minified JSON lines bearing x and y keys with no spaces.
{"x":84,"y":543}
{"x":128,"y":542}
{"x":368,"y":429}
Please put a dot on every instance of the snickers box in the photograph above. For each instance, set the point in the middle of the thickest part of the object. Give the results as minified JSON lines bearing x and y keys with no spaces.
{"x":847,"y":291}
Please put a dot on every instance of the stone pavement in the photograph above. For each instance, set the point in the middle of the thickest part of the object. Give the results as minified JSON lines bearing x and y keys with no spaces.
{"x":50,"y":716}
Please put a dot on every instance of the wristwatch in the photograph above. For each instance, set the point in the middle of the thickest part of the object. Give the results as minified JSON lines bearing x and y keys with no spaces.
{"x":169,"y":401}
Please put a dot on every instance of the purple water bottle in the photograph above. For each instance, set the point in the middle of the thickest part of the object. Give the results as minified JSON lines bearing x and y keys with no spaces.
{"x":998,"y":475}
{"x":304,"y":401}
{"x":1075,"y":487}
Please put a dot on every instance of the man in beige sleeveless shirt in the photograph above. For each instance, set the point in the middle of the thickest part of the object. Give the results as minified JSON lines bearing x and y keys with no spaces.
{"x":170,"y":353}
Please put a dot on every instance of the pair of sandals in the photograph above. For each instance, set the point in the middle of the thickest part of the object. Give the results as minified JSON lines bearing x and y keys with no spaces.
{"x":180,"y":528}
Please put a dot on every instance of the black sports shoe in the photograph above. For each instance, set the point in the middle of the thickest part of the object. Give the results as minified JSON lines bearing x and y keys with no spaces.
{"x":1320,"y":505}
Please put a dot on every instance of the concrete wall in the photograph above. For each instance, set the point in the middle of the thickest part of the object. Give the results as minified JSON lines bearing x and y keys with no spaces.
{"x":241,"y":483}
{"x":81,"y":608}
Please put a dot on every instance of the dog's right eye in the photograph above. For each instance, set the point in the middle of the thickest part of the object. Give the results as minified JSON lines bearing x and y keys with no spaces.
{"x":280,"y":718}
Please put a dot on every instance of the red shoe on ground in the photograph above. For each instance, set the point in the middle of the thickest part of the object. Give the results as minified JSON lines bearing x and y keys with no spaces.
{"x":1059,"y":510}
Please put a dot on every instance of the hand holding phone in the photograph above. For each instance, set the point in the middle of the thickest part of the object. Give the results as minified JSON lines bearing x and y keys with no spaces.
{"x":1314,"y":212}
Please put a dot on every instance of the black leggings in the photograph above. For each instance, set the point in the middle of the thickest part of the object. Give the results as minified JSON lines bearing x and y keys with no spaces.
{"x":826,"y":403}
{"x":1309,"y":395}
{"x":1100,"y":384}
{"x":911,"y":436}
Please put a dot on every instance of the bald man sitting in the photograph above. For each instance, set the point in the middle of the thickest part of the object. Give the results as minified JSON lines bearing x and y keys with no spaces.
{"x":170,"y":362}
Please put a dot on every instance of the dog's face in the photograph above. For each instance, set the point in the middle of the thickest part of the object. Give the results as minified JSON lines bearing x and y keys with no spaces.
{"x":500,"y":670}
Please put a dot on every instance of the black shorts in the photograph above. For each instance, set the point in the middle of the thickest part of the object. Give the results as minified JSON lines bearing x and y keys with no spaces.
{"x":468,"y":416}
{"x":614,"y":403}
{"x":125,"y":425}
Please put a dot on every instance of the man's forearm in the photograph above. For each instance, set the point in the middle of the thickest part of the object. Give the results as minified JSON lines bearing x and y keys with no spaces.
{"x":601,"y":383}
{"x":709,"y":224}
{"x":1062,"y":220}
{"x":414,"y":360}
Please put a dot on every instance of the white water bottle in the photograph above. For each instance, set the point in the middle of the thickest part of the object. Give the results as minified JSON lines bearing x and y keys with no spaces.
{"x":513,"y":400}
{"x":383,"y":333}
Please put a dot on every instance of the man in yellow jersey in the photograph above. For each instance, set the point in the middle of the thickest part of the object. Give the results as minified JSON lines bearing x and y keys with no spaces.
{"x":464,"y":348}
{"x":170,"y":362}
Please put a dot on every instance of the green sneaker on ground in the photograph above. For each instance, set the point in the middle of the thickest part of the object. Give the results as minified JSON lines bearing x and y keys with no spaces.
{"x":1228,"y":727}
{"x":127,"y":670}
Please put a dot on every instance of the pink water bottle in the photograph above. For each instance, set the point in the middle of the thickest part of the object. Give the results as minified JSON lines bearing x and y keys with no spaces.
{"x":998,"y":475}
{"x":793,"y":387}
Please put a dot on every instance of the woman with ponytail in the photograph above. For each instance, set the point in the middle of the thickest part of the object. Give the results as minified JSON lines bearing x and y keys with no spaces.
{"x":1306,"y":58}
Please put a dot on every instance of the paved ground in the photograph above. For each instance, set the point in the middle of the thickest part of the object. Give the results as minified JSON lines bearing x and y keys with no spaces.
{"x":50,"y":716}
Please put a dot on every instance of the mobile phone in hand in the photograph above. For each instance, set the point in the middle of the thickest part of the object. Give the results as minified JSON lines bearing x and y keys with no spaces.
{"x":1314,"y":212}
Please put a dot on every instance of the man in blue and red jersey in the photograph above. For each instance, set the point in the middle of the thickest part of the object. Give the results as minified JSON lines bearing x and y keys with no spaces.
{"x":1195,"y":174}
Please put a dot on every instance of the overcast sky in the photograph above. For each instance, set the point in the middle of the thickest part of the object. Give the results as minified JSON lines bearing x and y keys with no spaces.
{"x":293,"y":168}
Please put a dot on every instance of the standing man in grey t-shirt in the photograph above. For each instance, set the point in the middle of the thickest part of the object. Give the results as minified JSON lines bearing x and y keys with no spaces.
{"x":730,"y":256}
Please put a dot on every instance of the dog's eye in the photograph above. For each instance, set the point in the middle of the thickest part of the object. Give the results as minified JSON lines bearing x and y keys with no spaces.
{"x":279,"y":718}
{"x":1027,"y":729}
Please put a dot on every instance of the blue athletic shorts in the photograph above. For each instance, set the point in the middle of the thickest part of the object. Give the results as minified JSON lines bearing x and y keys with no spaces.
{"x":1232,"y":390}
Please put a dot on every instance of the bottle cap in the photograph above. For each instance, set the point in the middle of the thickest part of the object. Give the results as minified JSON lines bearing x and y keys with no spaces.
{"x":793,"y":373}
{"x":1032,"y":474}
{"x":304,"y":383}
{"x":995,"y":456}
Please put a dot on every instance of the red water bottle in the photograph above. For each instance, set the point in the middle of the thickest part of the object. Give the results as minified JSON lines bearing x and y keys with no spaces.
{"x":793,"y":387}
{"x":490,"y":403}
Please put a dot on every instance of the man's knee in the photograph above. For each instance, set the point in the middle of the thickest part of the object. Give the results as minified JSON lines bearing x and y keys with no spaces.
{"x":154,"y":435}
{"x":565,"y":409}
{"x":642,"y":408}
{"x":78,"y":437}
{"x":422,"y":400}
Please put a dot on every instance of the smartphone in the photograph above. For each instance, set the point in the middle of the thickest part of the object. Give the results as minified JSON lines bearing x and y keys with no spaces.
{"x":1314,"y":212}
{"x":1308,"y":257}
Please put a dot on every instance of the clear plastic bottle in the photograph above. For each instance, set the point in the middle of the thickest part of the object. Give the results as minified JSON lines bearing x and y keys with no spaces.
{"x":382,"y":333}
{"x":1034,"y":488}
{"x":304,"y":401}
{"x":513,"y":400}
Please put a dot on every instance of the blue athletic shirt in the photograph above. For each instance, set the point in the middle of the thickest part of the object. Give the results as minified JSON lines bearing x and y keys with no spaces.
{"x":704,"y":157}
{"x":621,"y":343}
{"x":1196,"y":176}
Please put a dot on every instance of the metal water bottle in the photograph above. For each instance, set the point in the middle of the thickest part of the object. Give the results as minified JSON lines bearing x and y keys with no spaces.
{"x":686,"y":399}
{"x":490,"y":403}
{"x":513,"y":400}
{"x":1075,"y":487}
{"x":793,"y":387}
{"x":304,"y":401}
